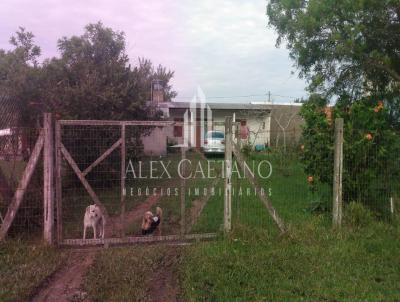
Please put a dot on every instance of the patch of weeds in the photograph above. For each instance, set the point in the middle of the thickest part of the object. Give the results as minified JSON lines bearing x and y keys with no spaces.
{"x":23,"y":267}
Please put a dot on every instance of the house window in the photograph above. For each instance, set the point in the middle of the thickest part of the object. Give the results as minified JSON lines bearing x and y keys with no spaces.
{"x":178,"y":129}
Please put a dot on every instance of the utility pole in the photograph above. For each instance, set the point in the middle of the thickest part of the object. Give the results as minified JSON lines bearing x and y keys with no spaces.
{"x":269,"y":96}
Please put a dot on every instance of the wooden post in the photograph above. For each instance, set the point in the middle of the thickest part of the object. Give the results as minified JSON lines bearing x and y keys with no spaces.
{"x":183,"y":191}
{"x":228,"y":175}
{"x":48,"y":176}
{"x":238,"y":148}
{"x":58,"y":183}
{"x":123,"y":177}
{"x":337,"y":174}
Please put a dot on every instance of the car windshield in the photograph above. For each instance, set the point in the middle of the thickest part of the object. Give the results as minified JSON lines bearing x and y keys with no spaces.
{"x":215,"y":134}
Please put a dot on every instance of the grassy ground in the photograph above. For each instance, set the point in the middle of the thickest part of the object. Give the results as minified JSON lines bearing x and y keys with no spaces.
{"x":311,"y":262}
{"x":23,"y":267}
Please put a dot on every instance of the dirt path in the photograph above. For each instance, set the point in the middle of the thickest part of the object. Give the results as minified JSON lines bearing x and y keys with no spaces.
{"x":66,"y":283}
{"x":114,"y":224}
{"x":163,"y":285}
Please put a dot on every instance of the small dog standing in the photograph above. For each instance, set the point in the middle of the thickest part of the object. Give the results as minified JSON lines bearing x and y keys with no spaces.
{"x":152,"y":223}
{"x":94,"y":218}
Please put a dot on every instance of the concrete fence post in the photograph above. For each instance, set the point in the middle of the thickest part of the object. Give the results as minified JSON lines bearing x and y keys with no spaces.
{"x":228,"y":175}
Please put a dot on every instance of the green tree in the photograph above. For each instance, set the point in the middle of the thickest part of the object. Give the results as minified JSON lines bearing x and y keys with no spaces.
{"x":342,"y":47}
{"x":19,"y":74}
{"x":91,"y":79}
{"x":94,"y":80}
{"x":371,"y":166}
{"x":317,"y":140}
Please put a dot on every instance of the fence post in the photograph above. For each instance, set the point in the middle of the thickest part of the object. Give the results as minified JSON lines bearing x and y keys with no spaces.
{"x":337,"y":174}
{"x":228,"y":175}
{"x":123,"y":178}
{"x":58,"y":184}
{"x":183,"y":191}
{"x":238,"y":148}
{"x":48,"y":177}
{"x":392,"y":207}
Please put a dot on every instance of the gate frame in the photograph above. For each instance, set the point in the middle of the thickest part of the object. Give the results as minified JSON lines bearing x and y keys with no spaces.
{"x":61,"y":152}
{"x":45,"y":142}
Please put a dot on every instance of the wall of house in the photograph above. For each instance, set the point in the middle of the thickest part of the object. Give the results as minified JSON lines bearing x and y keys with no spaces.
{"x":280,"y":115}
{"x":257,"y":122}
{"x":263,"y":126}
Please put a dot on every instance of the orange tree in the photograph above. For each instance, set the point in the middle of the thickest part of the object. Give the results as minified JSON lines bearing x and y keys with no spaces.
{"x":371,"y":167}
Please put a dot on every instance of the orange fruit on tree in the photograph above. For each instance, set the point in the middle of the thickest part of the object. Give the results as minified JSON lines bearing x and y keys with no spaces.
{"x":378,"y":107}
{"x":368,"y":136}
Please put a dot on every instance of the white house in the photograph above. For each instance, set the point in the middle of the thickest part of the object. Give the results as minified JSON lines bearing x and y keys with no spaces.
{"x":257,"y":124}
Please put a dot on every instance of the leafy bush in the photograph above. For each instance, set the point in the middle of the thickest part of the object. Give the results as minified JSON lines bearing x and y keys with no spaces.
{"x":371,"y":146}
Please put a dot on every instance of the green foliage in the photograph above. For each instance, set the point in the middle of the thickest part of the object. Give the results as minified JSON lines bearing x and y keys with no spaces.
{"x":371,"y":148}
{"x":20,"y":73}
{"x":342,"y":47}
{"x":91,"y":79}
{"x":317,"y":140}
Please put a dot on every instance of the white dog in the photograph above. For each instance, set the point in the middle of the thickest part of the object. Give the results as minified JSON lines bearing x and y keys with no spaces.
{"x":94,"y":218}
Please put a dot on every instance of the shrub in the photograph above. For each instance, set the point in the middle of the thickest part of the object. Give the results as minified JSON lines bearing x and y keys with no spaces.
{"x":371,"y":146}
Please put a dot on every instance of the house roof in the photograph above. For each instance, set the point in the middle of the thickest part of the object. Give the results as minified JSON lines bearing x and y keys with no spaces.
{"x":220,"y":106}
{"x":233,"y":106}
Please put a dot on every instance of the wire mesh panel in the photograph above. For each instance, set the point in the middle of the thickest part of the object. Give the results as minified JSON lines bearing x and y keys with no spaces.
{"x":16,"y":146}
{"x":300,"y":174}
{"x":371,"y":170}
{"x":204,"y":192}
{"x":81,"y":174}
{"x":276,"y":160}
{"x":133,"y":170}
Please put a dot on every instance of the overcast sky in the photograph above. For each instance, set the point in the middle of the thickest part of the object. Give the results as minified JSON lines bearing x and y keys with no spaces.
{"x":223,"y":46}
